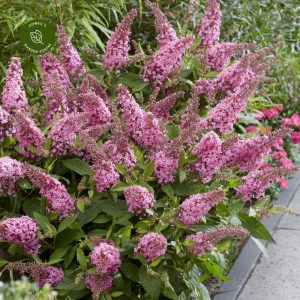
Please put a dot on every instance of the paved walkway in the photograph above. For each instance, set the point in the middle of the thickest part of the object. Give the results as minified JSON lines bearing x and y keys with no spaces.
{"x":279,"y":278}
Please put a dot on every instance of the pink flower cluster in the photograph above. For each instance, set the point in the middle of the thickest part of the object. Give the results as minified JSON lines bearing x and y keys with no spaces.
{"x":205,"y":241}
{"x":7,"y":128}
{"x":28,"y":134}
{"x":218,"y":56}
{"x":152,"y":245}
{"x":22,"y":231}
{"x":294,"y":122}
{"x":257,"y":182}
{"x":106,"y":174}
{"x":98,"y":283}
{"x":165,"y":166}
{"x":211,"y":24}
{"x":106,"y":259}
{"x":209,"y":156}
{"x":270,"y":113}
{"x":163,"y":62}
{"x":193,"y":209}
{"x":69,"y":56}
{"x":138,"y":199}
{"x":143,"y":126}
{"x":117,"y":47}
{"x":165,"y":33}
{"x":121,"y":152}
{"x":41,"y":274}
{"x":56,"y":84}
{"x":161,"y":109}
{"x":63,"y":133}
{"x":59,"y":201}
{"x":13,"y":95}
{"x":96,"y":109}
{"x":10,"y":171}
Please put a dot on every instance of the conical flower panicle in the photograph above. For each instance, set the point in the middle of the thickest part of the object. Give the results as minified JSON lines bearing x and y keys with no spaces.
{"x":22,"y":231}
{"x":161,"y":109}
{"x":257,"y":182}
{"x":209,"y":156}
{"x":163,"y":62}
{"x":7,"y":128}
{"x":41,"y":274}
{"x":219,"y":55}
{"x":95,"y":107}
{"x":193,"y":209}
{"x":117,"y":47}
{"x":210,"y":25}
{"x":13,"y":95}
{"x":28,"y":134}
{"x":63,"y":133}
{"x":58,"y":199}
{"x":91,"y":84}
{"x":10,"y":171}
{"x":165,"y":33}
{"x":69,"y":56}
{"x":205,"y":241}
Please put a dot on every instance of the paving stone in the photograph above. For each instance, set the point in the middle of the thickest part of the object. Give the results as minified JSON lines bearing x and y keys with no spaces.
{"x":289,"y":221}
{"x":277,"y":279}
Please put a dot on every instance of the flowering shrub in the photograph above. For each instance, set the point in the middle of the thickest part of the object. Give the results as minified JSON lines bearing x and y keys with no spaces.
{"x":134,"y":179}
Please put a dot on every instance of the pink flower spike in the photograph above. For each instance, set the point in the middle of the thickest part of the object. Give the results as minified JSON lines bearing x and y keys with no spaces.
{"x":10,"y":171}
{"x":165,"y":33}
{"x":117,"y":47}
{"x":210,"y":25}
{"x":152,"y":245}
{"x":194,"y":208}
{"x":106,"y":258}
{"x":28,"y":134}
{"x":13,"y":95}
{"x":96,"y":109}
{"x":59,"y":201}
{"x":69,"y":56}
{"x":22,"y":231}
{"x":163,"y":62}
{"x":209,"y":156}
{"x":138,"y":199}
{"x":7,"y":128}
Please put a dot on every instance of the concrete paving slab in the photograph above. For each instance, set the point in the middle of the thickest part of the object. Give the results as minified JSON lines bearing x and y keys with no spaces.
{"x":289,"y":221}
{"x":277,"y":279}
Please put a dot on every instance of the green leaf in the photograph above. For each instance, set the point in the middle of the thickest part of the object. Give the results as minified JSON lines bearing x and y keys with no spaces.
{"x":133,"y":81}
{"x":215,"y":269}
{"x":102,"y":219}
{"x":58,"y":253}
{"x":255,"y":227}
{"x":81,"y":258}
{"x":187,"y":189}
{"x":66,"y":223}
{"x":48,"y":229}
{"x":24,"y":184}
{"x":131,"y":271}
{"x":182,"y":176}
{"x":168,"y":190}
{"x":77,"y":165}
{"x":149,"y":170}
{"x":262,"y":247}
{"x":150,"y":283}
{"x":116,"y":294}
{"x":80,"y":204}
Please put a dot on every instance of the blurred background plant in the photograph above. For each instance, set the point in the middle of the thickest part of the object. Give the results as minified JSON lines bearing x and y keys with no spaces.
{"x":24,"y":290}
{"x":89,"y":23}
